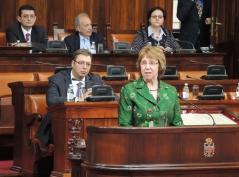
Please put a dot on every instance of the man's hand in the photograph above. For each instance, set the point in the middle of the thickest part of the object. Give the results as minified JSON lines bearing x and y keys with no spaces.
{"x":208,"y":21}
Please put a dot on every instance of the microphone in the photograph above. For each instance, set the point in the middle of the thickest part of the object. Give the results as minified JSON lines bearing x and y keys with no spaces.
{"x":198,"y":62}
{"x":214,"y":123}
{"x":193,"y":50}
{"x":100,"y":92}
{"x":187,"y":76}
{"x":114,"y":72}
{"x":213,"y":71}
{"x":95,"y":83}
{"x":53,"y":64}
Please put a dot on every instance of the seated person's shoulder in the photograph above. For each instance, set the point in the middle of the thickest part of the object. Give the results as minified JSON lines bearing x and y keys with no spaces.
{"x":97,"y":35}
{"x":70,"y":37}
{"x":39,"y":27}
{"x":59,"y":76}
{"x":13,"y":27}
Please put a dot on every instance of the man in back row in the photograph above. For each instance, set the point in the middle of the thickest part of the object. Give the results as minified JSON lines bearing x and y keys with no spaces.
{"x":83,"y":37}
{"x":26,"y":30}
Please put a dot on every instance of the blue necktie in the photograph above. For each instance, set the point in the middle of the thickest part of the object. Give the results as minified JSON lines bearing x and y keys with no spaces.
{"x":199,"y":5}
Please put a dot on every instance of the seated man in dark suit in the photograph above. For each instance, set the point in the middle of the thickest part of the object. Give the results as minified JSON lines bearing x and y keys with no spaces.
{"x":26,"y":31}
{"x":57,"y":90}
{"x":83,"y":37}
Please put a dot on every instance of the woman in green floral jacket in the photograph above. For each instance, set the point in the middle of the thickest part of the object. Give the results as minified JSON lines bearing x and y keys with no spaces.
{"x":149,"y":92}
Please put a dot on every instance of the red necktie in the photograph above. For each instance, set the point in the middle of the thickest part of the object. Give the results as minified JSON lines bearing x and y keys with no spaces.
{"x":27,"y":37}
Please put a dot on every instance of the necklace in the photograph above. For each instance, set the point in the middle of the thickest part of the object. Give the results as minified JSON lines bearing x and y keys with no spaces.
{"x":153,"y":90}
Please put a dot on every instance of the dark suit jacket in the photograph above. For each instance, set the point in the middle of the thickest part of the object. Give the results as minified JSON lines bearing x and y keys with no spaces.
{"x":187,"y":13}
{"x":73,"y":41}
{"x":38,"y":36}
{"x":57,"y":93}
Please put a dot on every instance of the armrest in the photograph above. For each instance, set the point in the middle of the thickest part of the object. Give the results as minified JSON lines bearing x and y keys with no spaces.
{"x":32,"y":123}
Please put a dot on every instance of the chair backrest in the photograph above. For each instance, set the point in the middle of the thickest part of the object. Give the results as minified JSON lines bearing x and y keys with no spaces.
{"x":43,"y":76}
{"x":13,"y":77}
{"x":123,"y":38}
{"x":61,"y":36}
{"x":3,"y":39}
{"x":35,"y":103}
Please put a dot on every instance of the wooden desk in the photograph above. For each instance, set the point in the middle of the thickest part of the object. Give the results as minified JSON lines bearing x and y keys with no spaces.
{"x":14,"y":50}
{"x":229,"y":85}
{"x":164,"y":152}
{"x":98,"y":114}
{"x":22,"y":153}
{"x":65,"y":116}
{"x":12,"y":62}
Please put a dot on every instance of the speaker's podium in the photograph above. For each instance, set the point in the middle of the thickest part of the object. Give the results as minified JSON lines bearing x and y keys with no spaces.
{"x":190,"y":151}
{"x":69,"y":122}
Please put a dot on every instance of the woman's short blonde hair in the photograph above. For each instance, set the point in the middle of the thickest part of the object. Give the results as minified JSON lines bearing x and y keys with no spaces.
{"x":153,"y":53}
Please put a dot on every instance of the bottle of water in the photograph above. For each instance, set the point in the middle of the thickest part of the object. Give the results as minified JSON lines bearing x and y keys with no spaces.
{"x":93,"y":48}
{"x":186,"y":91}
{"x":149,"y":118}
{"x":70,"y":93}
{"x":18,"y":43}
{"x":237,"y":92}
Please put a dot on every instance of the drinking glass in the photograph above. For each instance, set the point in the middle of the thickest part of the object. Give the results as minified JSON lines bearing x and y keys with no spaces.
{"x":163,"y":119}
{"x":100,"y":48}
{"x":81,"y":97}
{"x":195,"y":91}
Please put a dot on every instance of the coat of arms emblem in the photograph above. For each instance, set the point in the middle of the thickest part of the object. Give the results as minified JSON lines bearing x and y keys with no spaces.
{"x":209,"y":148}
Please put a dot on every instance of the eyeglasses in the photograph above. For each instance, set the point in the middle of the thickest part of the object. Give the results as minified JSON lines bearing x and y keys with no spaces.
{"x":81,"y":63}
{"x":151,"y":64}
{"x":28,"y":16}
{"x":157,"y":16}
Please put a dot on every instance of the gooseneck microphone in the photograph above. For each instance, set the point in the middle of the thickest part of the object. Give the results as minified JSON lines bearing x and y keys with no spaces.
{"x":91,"y":82}
{"x":213,"y":83}
{"x":181,"y":98}
{"x":198,"y":62}
{"x":53,"y":64}
{"x":193,"y":50}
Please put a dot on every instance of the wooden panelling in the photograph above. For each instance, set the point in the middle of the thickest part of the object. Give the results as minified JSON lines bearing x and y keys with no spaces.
{"x":95,"y":9}
{"x":7,"y":13}
{"x":41,"y":10}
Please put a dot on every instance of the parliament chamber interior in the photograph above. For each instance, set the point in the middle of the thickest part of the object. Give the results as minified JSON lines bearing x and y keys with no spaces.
{"x":87,"y":138}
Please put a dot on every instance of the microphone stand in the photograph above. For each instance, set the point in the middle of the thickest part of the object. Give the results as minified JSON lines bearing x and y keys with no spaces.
{"x":214,"y":123}
{"x":198,"y":62}
{"x":187,"y":76}
{"x":39,"y":62}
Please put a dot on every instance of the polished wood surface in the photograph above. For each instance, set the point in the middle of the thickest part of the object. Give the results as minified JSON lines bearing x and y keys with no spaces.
{"x":14,"y":50}
{"x":65,"y":116}
{"x":13,"y":62}
{"x":22,"y":153}
{"x":88,"y":113}
{"x":131,"y":14}
{"x":127,"y":12}
{"x":167,"y":151}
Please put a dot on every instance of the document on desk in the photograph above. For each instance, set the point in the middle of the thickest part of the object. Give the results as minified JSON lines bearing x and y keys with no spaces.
{"x":205,"y":119}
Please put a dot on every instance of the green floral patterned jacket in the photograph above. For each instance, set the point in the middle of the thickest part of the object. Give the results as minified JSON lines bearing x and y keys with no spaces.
{"x":135,"y":99}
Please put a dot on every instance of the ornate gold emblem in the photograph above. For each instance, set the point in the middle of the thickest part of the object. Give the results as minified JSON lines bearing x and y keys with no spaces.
{"x":209,"y":148}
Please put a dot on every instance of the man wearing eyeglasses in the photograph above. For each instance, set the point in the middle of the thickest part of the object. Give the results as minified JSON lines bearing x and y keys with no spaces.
{"x":26,"y":31}
{"x":57,"y":91}
{"x":84,"y":36}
